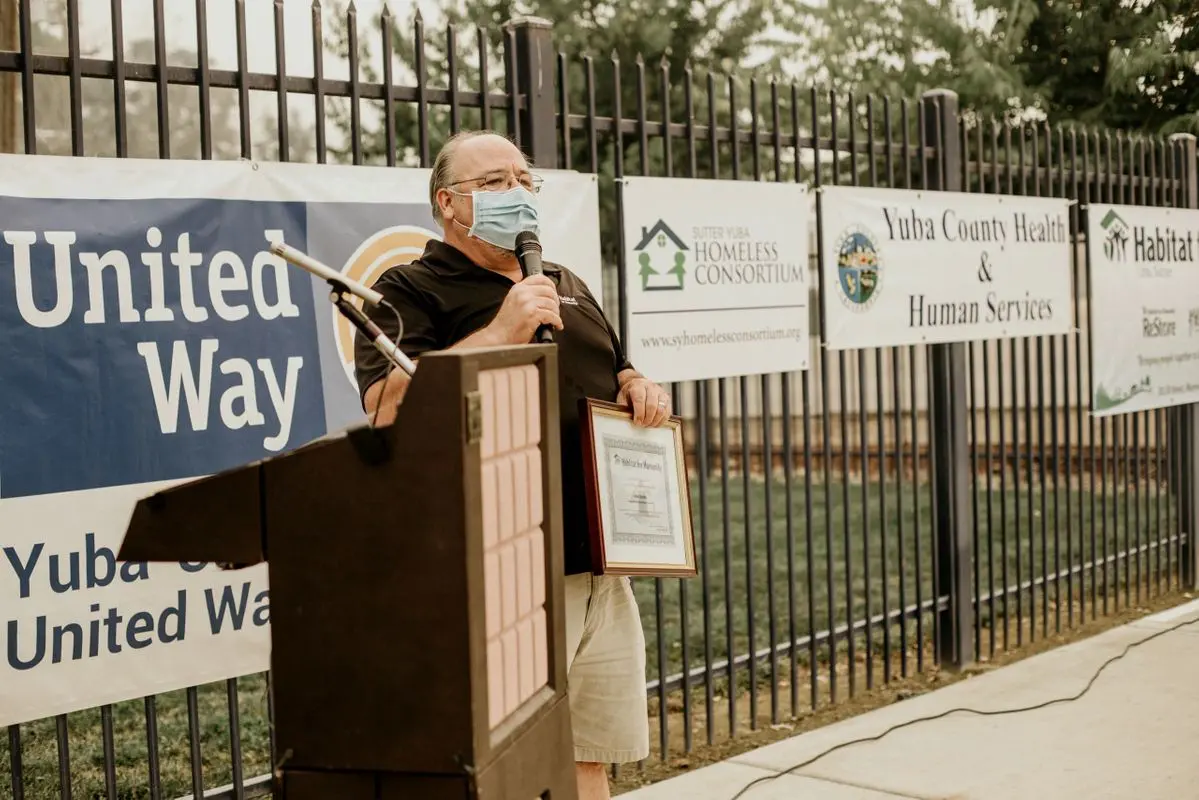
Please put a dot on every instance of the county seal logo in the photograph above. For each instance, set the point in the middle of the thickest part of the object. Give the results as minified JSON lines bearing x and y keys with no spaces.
{"x":383,"y":250}
{"x":859,"y":269}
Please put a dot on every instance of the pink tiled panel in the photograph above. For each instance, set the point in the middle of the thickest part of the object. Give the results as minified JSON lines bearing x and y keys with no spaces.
{"x":508,"y":586}
{"x":487,"y":393}
{"x":538,"y":557}
{"x":505,"y":494}
{"x":514,"y":544}
{"x":503,"y":411}
{"x":495,"y":681}
{"x":532,"y":405}
{"x":520,"y":422}
{"x":536,"y":509}
{"x":524,"y":573}
{"x":491,"y":583}
{"x":491,"y":509}
{"x":522,"y":495}
{"x":541,"y":657}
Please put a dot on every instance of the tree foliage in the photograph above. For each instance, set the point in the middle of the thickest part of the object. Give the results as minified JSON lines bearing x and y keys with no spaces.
{"x":1105,"y":63}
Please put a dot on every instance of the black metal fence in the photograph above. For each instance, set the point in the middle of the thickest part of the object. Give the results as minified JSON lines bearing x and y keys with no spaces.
{"x":886,"y":512}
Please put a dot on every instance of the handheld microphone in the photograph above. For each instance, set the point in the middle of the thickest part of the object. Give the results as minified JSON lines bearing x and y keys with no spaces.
{"x":373,"y":332}
{"x":528,"y":253}
{"x":325,"y":273}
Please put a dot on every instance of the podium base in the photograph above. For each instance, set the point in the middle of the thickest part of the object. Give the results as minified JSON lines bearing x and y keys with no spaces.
{"x":522,"y":772}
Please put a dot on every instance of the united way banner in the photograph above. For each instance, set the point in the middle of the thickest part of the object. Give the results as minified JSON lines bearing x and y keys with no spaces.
{"x":716,"y":277}
{"x":909,"y":267}
{"x":148,"y":336}
{"x":1144,"y":305}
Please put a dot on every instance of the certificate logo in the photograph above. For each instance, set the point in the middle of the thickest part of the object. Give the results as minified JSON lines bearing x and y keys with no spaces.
{"x":859,"y":269}
{"x":1115,"y":241}
{"x":383,"y":250}
{"x":661,"y":258}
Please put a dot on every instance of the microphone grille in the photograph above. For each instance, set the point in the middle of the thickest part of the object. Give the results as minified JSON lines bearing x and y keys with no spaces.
{"x":526,"y":241}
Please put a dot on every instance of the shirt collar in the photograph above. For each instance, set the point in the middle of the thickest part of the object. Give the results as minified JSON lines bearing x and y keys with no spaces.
{"x":447,"y":260}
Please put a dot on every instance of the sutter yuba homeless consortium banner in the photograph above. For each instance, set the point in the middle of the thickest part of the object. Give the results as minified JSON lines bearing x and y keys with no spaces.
{"x":1144,"y":307}
{"x":717,"y":277}
{"x":906,"y":267}
{"x":148,"y":336}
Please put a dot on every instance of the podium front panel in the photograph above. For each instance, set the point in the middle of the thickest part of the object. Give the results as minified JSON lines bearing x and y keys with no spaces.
{"x":513,"y":540}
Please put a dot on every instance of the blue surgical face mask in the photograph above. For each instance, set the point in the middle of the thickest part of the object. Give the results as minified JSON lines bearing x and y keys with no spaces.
{"x":500,"y":216}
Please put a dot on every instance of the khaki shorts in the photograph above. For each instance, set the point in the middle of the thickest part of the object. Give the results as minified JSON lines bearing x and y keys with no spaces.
{"x":605,"y":670}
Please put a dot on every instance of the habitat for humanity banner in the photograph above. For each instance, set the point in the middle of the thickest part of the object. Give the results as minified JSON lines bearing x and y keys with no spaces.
{"x":148,"y":336}
{"x":717,"y":277}
{"x":1144,"y":306}
{"x":905,"y":267}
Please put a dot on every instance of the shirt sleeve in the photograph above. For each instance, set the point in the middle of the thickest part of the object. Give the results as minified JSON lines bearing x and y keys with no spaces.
{"x":419,"y":332}
{"x":621,"y":361}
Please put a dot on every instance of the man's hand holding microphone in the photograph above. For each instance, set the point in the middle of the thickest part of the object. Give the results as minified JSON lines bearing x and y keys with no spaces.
{"x":530,"y":304}
{"x":532,"y":307}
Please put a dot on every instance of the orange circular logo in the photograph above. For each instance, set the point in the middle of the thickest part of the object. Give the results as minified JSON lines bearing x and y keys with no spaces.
{"x":385,"y":249}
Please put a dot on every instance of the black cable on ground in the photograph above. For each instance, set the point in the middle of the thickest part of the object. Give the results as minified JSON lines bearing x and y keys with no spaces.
{"x":942,"y":715}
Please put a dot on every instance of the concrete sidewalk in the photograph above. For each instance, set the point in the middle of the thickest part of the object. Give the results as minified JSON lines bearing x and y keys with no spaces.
{"x":1134,"y":736}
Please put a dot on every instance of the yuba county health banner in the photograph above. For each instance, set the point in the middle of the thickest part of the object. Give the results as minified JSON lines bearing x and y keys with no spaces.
{"x":1144,"y":304}
{"x":911,"y":267}
{"x":148,"y":336}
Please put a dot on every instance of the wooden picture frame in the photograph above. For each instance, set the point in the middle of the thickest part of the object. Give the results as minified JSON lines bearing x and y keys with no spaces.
{"x":638,"y":494}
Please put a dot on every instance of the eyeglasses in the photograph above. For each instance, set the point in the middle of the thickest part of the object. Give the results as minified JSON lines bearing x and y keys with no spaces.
{"x":502,"y":181}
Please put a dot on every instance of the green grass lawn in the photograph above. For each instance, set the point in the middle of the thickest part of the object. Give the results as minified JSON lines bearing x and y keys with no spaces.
{"x":742,"y":556}
{"x":881,"y":563}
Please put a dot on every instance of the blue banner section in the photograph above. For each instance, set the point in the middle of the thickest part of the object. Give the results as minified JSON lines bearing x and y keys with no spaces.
{"x":150,"y":340}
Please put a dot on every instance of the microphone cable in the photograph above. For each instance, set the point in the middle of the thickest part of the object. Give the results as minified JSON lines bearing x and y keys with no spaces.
{"x":972,"y":711}
{"x":387,"y":378}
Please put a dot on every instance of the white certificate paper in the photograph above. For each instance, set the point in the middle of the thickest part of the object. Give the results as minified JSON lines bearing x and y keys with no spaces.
{"x":639,"y":482}
{"x":641,"y":501}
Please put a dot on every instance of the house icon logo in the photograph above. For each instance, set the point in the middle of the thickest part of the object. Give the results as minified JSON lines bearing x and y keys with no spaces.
{"x":1115,"y":243}
{"x":661,"y":259}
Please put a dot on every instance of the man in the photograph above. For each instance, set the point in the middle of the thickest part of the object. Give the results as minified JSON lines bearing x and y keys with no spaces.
{"x":468,"y":291}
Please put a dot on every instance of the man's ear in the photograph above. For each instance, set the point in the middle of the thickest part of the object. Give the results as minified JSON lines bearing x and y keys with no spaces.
{"x":445,"y":205}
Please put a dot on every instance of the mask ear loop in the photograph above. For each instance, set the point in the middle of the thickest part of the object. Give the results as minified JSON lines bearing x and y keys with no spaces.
{"x":472,"y":209}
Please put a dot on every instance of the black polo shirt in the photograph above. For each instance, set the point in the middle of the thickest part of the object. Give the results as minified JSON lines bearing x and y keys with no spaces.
{"x":443,"y":297}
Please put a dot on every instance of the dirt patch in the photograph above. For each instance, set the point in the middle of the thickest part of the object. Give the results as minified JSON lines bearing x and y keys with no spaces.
{"x":752,"y":733}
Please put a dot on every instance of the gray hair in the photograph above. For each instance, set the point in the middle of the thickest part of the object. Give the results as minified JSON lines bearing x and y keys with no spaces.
{"x":442,"y":176}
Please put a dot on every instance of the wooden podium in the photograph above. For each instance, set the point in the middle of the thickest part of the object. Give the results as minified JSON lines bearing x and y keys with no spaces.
{"x":417,"y":619}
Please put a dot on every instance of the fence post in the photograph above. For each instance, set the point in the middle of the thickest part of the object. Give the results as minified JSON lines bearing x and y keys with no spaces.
{"x":1184,"y":420}
{"x":947,"y":404}
{"x":10,"y":113}
{"x":535,"y":80}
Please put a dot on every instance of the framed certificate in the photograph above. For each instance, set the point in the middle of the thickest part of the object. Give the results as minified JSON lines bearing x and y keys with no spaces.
{"x":638,"y":495}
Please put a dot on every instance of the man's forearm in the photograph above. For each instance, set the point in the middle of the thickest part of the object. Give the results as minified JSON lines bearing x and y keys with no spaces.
{"x":390,"y":392}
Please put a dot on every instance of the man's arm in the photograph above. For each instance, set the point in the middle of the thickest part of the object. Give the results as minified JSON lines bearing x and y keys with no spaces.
{"x":530,"y":303}
{"x":390,"y":390}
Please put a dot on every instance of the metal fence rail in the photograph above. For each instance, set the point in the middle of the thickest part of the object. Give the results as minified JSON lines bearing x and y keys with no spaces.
{"x":832,"y":558}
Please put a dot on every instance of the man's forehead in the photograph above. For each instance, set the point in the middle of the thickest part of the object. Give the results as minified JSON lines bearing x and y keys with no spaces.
{"x":486,"y":153}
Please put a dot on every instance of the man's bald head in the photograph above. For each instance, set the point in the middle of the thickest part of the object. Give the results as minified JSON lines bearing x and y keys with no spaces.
{"x":470,"y":156}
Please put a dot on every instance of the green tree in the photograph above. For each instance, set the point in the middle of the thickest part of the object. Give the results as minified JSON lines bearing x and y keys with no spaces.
{"x":1160,"y":70}
{"x":1063,"y":49}
{"x":903,"y":48}
{"x":1106,"y":63}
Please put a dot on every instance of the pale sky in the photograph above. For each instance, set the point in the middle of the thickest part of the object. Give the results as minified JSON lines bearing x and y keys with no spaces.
{"x":180,"y":24}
